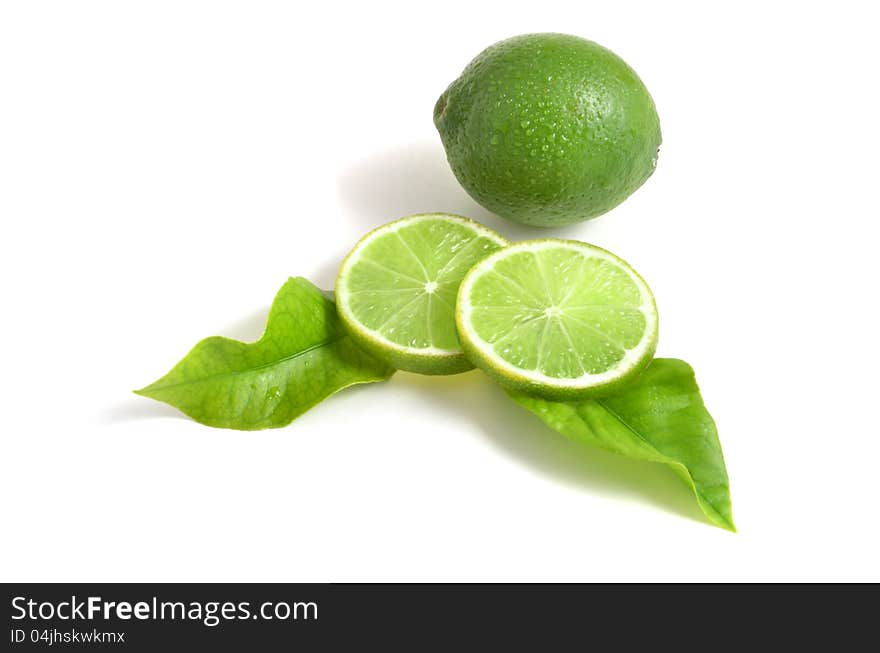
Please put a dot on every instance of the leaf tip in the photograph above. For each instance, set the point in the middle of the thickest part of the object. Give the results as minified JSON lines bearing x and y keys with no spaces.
{"x":720,"y":520}
{"x":146,"y":391}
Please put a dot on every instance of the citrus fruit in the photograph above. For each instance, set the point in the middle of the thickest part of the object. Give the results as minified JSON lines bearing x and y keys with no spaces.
{"x":396,"y":290}
{"x":548,"y":129}
{"x":557,"y":319}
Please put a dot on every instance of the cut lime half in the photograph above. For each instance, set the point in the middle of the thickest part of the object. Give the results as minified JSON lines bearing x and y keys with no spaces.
{"x":557,"y":319}
{"x":396,"y":290}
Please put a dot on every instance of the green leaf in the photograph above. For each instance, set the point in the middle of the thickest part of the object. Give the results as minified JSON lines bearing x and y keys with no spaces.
{"x":303,"y":357}
{"x":660,"y":417}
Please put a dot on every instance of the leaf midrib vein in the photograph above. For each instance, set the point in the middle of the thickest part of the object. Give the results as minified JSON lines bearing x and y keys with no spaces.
{"x":278,"y":361}
{"x":640,"y":437}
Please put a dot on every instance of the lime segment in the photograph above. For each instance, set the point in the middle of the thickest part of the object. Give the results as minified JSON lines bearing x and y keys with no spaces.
{"x":396,"y":290}
{"x":559,"y":319}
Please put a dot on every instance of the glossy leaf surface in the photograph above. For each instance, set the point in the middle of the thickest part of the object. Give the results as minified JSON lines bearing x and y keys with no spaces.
{"x":660,"y":417}
{"x":303,"y":357}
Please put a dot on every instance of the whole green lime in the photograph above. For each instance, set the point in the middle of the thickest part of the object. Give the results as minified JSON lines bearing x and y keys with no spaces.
{"x":549,"y":129}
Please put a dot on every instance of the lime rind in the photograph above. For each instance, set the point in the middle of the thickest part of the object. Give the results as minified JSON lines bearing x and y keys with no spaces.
{"x":586,"y":356}
{"x":396,"y":289}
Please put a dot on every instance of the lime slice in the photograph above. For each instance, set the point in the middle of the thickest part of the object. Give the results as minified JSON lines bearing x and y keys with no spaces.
{"x":557,"y":319}
{"x":396,"y":290}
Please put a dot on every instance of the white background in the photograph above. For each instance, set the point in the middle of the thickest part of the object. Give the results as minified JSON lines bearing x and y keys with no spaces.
{"x":165,"y":166}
